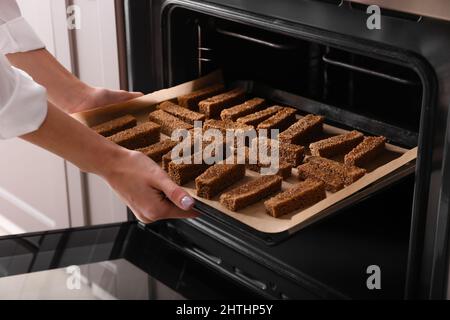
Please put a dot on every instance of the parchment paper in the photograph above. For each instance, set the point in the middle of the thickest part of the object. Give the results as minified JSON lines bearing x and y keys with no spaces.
{"x":255,"y":216}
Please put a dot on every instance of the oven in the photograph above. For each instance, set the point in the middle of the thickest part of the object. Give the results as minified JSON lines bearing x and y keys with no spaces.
{"x":393,"y":81}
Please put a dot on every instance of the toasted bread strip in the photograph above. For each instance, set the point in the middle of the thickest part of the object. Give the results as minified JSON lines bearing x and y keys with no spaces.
{"x":217,"y":178}
{"x":281,"y":120}
{"x":182,"y":113}
{"x":138,"y":137}
{"x":166,"y":160}
{"x":288,"y":153}
{"x":224,"y":125}
{"x":301,"y":196}
{"x":365,"y":151}
{"x":212,"y":107}
{"x":242,"y":110}
{"x":308,"y":127}
{"x":168,"y":122}
{"x":334,"y":174}
{"x":182,"y":173}
{"x":333,"y":182}
{"x":291,"y":154}
{"x":256,"y":118}
{"x":350,"y":174}
{"x":251,"y":192}
{"x":336,"y":145}
{"x":112,"y":127}
{"x":240,"y":130}
{"x":192,"y":100}
{"x":158,"y":150}
{"x":282,"y":168}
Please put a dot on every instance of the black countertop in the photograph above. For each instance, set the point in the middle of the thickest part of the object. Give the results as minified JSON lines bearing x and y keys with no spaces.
{"x":325,"y":260}
{"x":30,"y":253}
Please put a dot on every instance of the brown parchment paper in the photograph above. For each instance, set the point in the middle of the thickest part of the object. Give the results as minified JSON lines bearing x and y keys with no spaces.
{"x":255,"y":216}
{"x":146,"y":103}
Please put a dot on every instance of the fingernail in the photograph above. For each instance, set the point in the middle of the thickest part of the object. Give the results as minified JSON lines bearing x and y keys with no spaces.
{"x":187,"y":202}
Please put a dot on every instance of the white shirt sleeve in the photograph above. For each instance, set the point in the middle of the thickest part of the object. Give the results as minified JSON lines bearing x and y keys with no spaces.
{"x":23,"y":102}
{"x":16,"y":35}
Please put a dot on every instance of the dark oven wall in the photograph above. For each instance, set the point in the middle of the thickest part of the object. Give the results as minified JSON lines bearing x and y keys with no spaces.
{"x":143,"y":45}
{"x":160,"y":56}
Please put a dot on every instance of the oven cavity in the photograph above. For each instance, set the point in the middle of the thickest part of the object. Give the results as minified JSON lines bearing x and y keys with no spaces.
{"x":358,"y":90}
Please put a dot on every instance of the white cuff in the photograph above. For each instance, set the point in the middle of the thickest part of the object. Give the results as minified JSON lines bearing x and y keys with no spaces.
{"x":18,"y":36}
{"x":26,"y":110}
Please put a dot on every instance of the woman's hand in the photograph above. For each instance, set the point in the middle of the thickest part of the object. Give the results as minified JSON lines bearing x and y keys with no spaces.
{"x":65,"y":90}
{"x":139,"y":181}
{"x":90,"y":97}
{"x":146,"y":188}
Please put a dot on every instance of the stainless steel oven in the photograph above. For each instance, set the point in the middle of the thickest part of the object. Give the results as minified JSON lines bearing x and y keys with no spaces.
{"x":393,"y":81}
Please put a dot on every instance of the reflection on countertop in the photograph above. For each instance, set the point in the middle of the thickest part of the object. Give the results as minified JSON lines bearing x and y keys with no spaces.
{"x":120,"y":261}
{"x":98,"y":281}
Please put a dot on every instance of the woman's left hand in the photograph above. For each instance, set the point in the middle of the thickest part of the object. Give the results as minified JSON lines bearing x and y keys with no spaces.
{"x":65,"y":90}
{"x":99,"y":97}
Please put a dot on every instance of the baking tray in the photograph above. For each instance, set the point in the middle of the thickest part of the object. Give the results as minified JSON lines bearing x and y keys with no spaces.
{"x":396,"y":163}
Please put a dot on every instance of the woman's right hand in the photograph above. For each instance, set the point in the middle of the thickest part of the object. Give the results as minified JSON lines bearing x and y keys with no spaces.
{"x":139,"y":181}
{"x":146,"y":188}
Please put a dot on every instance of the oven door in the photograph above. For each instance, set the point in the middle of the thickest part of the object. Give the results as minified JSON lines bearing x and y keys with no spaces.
{"x":120,"y":261}
{"x":170,"y":42}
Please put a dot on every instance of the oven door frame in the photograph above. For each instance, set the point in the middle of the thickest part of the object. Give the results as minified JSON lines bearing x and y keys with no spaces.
{"x":428,"y":263}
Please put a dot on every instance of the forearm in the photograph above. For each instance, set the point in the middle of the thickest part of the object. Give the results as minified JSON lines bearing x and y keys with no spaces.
{"x":69,"y":139}
{"x":139,"y":181}
{"x":64,"y":89}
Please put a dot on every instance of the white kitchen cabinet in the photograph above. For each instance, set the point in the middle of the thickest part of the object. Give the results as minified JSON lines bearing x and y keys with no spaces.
{"x":97,"y":62}
{"x":33,"y":194}
{"x":39,"y":191}
{"x":33,"y":182}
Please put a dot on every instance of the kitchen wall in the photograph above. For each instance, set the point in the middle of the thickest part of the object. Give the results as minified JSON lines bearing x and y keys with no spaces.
{"x":39,"y":191}
{"x":97,"y":63}
{"x":33,"y":190}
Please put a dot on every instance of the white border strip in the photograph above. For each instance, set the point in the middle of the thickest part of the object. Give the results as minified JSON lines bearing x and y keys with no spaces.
{"x":26,"y":208}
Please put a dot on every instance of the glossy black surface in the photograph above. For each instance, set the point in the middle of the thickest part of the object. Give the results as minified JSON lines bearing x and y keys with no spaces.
{"x":56,"y":249}
{"x":330,"y":258}
{"x":162,"y":261}
{"x":421,"y":45}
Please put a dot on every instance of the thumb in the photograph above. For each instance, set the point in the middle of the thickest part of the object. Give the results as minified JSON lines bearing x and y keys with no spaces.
{"x":136,"y":94}
{"x":176,"y":194}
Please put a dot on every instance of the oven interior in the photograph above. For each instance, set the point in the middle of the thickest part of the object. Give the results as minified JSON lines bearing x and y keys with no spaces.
{"x":330,"y":256}
{"x":387,"y":93}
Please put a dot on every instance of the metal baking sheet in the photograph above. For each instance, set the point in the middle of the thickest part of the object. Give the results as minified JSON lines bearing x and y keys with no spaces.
{"x":394,"y":164}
